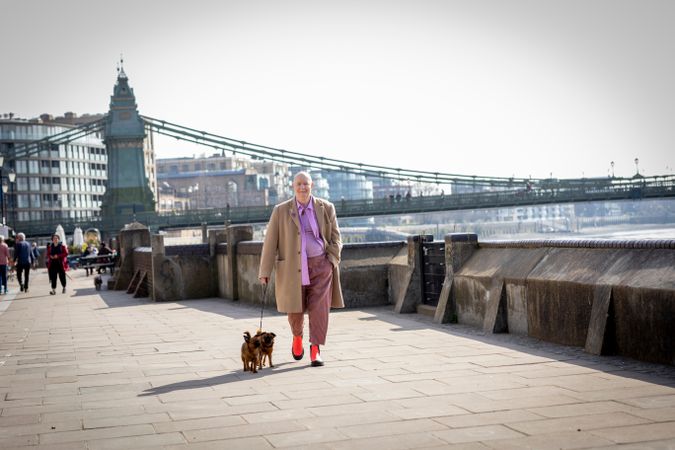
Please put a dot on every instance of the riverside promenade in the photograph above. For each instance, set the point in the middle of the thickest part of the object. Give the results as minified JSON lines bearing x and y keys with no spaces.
{"x":102,"y":370}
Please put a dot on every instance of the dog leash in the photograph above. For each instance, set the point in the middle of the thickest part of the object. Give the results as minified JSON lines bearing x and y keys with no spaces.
{"x":262,"y":308}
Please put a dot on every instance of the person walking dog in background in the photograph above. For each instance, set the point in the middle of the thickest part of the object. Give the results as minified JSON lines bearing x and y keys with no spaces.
{"x":57,"y":263}
{"x":4,"y":262}
{"x":23,"y":258}
{"x":303,"y":245}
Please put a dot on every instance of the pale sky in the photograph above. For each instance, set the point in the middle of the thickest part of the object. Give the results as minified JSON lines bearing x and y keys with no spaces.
{"x":487,"y":87}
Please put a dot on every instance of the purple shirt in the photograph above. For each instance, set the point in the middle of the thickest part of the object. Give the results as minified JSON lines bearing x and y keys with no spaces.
{"x":312,"y":243}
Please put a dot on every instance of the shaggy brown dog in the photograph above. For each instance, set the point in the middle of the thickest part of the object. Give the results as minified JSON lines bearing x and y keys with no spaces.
{"x":250,"y":352}
{"x":266,"y":346}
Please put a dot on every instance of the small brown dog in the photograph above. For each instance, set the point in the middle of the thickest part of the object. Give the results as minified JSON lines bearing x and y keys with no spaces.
{"x":98,"y":282}
{"x":250,"y":352}
{"x":266,"y":346}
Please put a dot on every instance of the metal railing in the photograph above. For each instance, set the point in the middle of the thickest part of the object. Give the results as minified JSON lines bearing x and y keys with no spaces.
{"x":563,"y":192}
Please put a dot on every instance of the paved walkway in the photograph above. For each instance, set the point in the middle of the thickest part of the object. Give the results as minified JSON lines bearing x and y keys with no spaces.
{"x":100,"y":370}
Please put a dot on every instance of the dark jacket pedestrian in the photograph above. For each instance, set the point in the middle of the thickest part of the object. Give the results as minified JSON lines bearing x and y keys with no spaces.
{"x":35,"y":252}
{"x":23,"y":258}
{"x":104,"y":250}
{"x":57,"y":263}
{"x":86,"y":262}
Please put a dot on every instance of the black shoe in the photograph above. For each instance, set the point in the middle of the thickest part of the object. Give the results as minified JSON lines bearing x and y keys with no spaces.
{"x":25,"y":289}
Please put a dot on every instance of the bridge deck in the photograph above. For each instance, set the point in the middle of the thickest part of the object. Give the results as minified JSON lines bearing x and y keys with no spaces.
{"x":555,"y":193}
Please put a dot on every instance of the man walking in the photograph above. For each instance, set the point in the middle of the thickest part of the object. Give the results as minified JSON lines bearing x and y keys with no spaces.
{"x":23,"y":258}
{"x":303,"y":245}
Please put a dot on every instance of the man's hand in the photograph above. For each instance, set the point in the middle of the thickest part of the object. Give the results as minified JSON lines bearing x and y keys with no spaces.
{"x":264,"y":280}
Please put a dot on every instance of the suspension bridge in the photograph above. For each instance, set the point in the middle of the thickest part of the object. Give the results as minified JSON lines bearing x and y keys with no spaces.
{"x":505,"y":192}
{"x":127,"y":197}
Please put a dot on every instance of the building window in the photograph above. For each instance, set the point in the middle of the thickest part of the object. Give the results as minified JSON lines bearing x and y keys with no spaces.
{"x":33,"y":166}
{"x":21,"y":167}
{"x":33,"y":184}
{"x":22,"y":201}
{"x":21,"y":183}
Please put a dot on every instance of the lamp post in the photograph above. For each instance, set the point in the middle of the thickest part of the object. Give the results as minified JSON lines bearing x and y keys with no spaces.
{"x":12,"y":177}
{"x":2,"y":194}
{"x":5,"y":188}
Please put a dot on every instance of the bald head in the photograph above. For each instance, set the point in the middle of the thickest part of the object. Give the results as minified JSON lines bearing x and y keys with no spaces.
{"x":302,"y":187}
{"x":302,"y":175}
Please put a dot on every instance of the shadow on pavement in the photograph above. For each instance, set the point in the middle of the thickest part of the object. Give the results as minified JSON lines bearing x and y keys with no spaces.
{"x":218,"y":380}
{"x":409,"y":323}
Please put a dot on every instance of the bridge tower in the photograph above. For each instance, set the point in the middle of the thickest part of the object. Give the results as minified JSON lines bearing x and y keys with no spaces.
{"x":132,"y":179}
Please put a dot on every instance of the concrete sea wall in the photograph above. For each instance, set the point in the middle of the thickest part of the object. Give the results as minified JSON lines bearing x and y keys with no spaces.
{"x":609,"y":297}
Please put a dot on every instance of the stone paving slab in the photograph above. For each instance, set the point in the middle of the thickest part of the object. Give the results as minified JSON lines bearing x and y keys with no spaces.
{"x":102,"y":370}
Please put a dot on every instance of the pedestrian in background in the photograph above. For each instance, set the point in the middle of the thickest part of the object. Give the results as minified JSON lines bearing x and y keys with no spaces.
{"x":4,"y":262}
{"x":104,"y":251}
{"x":36,"y":255}
{"x":23,"y":258}
{"x":85,"y":261}
{"x":57,"y":263}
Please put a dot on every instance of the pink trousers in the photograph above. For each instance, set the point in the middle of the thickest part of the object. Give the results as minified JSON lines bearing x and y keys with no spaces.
{"x":316,"y":300}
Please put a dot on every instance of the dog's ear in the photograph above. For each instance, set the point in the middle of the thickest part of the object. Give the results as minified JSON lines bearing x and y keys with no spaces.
{"x":273,"y":335}
{"x":247,"y":336}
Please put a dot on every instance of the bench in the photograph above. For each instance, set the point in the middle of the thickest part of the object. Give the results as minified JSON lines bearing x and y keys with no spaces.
{"x":98,"y":262}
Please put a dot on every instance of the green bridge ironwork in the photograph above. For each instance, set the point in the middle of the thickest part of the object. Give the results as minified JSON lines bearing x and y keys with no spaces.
{"x":542,"y":193}
{"x":488,"y":192}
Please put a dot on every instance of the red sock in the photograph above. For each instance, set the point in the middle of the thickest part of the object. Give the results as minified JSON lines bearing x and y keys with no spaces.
{"x":314,"y":350}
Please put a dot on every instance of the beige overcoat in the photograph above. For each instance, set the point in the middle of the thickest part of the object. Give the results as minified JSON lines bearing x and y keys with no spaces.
{"x":281,"y":252}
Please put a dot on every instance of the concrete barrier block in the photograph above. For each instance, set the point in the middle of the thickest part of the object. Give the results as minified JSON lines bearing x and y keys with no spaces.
{"x":596,"y":337}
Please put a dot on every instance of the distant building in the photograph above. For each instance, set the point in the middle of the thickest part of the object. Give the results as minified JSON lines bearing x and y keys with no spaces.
{"x":348,"y":186}
{"x":172,"y":201}
{"x":61,"y":181}
{"x":385,"y":187}
{"x":218,"y":181}
{"x":320,"y":185}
